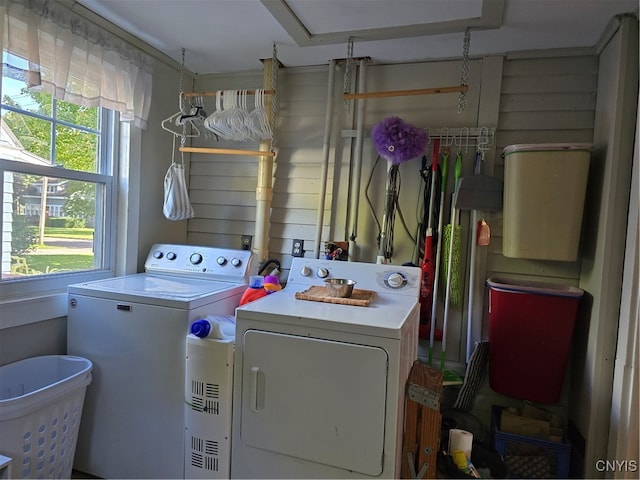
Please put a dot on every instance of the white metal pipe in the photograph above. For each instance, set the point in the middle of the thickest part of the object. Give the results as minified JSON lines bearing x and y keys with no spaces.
{"x":357,"y":163}
{"x":328,"y":121}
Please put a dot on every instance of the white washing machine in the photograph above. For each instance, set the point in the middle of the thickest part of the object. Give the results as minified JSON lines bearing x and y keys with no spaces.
{"x":319,"y":387}
{"x":133,"y":329}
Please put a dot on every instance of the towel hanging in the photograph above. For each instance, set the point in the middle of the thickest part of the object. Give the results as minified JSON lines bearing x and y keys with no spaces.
{"x":177,"y":205}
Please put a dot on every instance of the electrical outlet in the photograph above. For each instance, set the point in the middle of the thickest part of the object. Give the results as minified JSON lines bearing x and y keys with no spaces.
{"x":297,"y":250}
{"x":246,"y":242}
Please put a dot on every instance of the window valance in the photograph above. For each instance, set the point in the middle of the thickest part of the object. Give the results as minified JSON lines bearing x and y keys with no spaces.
{"x":54,"y":49}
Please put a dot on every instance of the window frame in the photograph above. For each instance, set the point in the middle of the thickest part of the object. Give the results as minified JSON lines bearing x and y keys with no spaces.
{"x":106,"y":177}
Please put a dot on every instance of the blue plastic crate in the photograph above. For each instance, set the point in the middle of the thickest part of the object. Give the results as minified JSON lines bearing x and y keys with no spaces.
{"x":529,"y":457}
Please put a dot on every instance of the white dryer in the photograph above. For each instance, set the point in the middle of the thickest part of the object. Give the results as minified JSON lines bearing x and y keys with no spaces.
{"x":133,"y":329}
{"x":319,"y":387}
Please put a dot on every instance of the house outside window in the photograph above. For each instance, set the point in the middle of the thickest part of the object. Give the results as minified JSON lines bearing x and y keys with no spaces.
{"x":57,"y":182}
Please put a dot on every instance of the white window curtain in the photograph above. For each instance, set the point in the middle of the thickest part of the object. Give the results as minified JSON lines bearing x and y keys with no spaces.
{"x":54,"y":49}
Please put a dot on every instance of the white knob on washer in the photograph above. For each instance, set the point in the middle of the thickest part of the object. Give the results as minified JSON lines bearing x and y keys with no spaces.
{"x":322,"y":272}
{"x":236,"y":262}
{"x":395,"y":280}
{"x":305,"y":271}
{"x":221,"y":260}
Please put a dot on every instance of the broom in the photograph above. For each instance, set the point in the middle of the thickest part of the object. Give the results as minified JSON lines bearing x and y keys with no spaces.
{"x":436,"y":275}
{"x":452,"y":233}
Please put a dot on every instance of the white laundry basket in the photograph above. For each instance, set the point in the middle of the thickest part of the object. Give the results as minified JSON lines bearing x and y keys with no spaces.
{"x":41,"y":402}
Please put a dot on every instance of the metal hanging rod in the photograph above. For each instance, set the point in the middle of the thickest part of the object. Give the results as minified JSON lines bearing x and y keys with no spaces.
{"x":463,"y":137}
{"x":451,"y":136}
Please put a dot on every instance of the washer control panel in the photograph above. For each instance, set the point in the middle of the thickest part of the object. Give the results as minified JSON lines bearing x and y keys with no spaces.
{"x":195,"y":260}
{"x":368,"y":276}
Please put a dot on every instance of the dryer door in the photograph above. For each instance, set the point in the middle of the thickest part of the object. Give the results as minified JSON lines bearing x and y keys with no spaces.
{"x":315,"y":399}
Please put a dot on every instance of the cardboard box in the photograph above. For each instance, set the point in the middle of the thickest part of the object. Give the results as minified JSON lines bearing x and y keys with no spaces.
{"x":531,"y":422}
{"x":513,"y":422}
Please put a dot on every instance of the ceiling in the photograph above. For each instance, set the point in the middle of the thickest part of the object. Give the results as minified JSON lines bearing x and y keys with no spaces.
{"x":234,"y":35}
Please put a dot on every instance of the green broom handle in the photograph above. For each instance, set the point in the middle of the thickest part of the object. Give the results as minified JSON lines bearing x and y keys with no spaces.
{"x":445,"y":169}
{"x":457,"y":171}
{"x":436,"y":276}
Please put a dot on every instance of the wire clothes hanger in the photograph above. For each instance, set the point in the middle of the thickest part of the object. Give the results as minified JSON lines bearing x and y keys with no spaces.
{"x":192,"y":115}
{"x":176,"y":123}
{"x":232,"y":121}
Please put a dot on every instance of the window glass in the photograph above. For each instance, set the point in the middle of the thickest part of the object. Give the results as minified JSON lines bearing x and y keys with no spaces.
{"x":76,"y":149}
{"x":59,"y":240}
{"x":15,"y":94}
{"x":57,"y":186}
{"x":27,"y":134}
{"x":87,"y":117}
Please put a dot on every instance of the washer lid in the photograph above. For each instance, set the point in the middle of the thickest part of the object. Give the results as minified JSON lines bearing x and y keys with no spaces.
{"x":143,"y":286}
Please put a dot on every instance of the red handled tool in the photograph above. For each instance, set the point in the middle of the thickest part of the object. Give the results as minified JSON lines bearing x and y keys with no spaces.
{"x":427,"y":266}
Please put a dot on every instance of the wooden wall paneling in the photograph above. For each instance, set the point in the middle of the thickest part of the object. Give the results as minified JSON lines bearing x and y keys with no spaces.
{"x":542,"y":100}
{"x":223,"y":212}
{"x":552,"y":120}
{"x":488,"y":115}
{"x":298,"y":167}
{"x":214,"y":198}
{"x":572,"y":135}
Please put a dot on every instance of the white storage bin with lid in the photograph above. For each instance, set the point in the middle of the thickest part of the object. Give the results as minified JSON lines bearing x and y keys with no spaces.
{"x":544,"y":193}
{"x":41,"y":401}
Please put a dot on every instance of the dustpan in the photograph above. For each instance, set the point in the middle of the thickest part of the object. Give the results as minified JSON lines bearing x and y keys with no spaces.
{"x":479,"y":192}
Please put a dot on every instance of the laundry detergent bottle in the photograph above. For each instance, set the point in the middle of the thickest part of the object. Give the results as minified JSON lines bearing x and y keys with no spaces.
{"x":255,"y":291}
{"x":272,"y":283}
{"x":214,"y":326}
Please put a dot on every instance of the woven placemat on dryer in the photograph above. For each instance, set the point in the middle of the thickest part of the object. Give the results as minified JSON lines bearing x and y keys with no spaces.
{"x":360,"y":298}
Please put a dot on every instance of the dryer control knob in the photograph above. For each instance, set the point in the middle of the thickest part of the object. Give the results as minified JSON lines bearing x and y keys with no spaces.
{"x":236,"y":262}
{"x":171,"y":256}
{"x":158,"y":254}
{"x":395,"y":280}
{"x":195,"y":258}
{"x":221,"y":260}
{"x":305,"y":271}
{"x":322,"y":272}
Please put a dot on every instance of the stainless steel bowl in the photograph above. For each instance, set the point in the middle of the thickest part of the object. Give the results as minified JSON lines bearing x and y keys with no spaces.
{"x":339,"y":287}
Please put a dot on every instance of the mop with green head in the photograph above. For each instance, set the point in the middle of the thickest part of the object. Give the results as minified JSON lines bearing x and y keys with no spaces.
{"x":452,"y":241}
{"x":450,"y":253}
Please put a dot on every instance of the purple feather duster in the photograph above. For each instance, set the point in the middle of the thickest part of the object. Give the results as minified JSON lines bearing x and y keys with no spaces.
{"x":398,"y":141}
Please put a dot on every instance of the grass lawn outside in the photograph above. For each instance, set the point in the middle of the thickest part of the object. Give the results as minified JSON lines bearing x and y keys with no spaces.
{"x":59,"y":263}
{"x":76,"y":233}
{"x":60,"y":259}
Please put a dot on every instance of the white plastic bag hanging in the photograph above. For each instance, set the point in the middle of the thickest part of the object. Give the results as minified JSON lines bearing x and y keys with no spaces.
{"x":177,"y":205}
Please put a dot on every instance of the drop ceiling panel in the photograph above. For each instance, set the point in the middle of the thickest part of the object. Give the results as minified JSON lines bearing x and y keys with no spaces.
{"x":331,"y":16}
{"x":350,"y":14}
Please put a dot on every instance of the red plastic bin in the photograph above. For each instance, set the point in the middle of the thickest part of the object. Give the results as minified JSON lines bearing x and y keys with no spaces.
{"x":530,"y":330}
